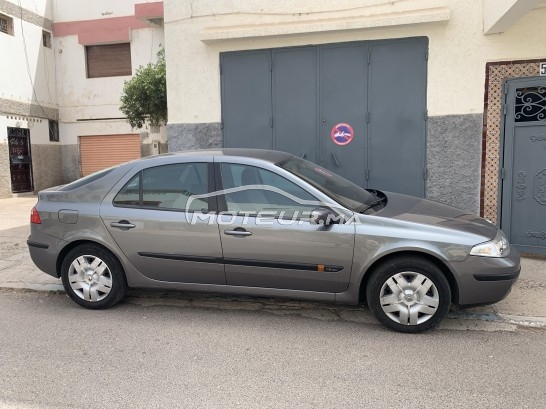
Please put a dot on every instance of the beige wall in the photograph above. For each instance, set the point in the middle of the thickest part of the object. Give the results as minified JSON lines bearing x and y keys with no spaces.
{"x":197,"y":31}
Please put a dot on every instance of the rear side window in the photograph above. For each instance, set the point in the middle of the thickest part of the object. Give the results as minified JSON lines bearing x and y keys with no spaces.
{"x":129,"y":195}
{"x":168,"y":187}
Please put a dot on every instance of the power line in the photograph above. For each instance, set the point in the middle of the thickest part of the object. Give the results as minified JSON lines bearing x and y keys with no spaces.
{"x":29,"y":71}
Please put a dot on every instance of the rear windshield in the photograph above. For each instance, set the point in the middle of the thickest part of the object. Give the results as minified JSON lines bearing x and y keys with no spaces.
{"x":87,"y":179}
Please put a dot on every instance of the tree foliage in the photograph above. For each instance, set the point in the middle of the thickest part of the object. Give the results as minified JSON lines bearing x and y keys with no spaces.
{"x":145,"y":95}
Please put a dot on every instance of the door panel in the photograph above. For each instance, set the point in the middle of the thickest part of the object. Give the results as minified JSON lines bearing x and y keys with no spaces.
{"x":246,"y":96}
{"x":528,"y":196}
{"x":165,"y":247}
{"x":397,"y":116}
{"x":162,"y":240}
{"x":287,"y":256}
{"x":279,"y":248}
{"x":295,"y":101}
{"x":523,"y":216}
{"x":343,"y":99}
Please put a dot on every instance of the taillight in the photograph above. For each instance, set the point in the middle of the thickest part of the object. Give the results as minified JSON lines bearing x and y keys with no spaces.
{"x":35,"y":216}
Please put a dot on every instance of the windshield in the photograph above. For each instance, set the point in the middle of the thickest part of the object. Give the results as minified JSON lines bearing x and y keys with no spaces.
{"x":341,"y":190}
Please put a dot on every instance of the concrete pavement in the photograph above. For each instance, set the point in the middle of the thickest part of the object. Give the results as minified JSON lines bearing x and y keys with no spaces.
{"x":525,"y":306}
{"x":57,"y":355}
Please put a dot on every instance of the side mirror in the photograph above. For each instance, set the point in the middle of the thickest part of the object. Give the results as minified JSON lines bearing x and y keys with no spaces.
{"x":322,"y":215}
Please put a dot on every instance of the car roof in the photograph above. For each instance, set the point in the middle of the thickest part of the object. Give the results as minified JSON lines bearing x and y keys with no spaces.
{"x":262,"y":154}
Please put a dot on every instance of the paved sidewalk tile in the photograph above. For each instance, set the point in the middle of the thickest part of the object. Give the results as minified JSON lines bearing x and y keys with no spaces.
{"x":15,"y":212}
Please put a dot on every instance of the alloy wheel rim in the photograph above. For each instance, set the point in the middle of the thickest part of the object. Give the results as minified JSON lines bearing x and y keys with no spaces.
{"x":409,"y":298}
{"x":90,"y":278}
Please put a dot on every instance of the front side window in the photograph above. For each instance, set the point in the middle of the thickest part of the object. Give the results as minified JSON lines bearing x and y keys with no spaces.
{"x":167,"y":187}
{"x":252,"y":190}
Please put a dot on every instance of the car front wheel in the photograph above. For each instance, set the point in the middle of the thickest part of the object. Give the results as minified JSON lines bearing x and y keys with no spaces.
{"x":93,"y":277}
{"x":408,"y":294}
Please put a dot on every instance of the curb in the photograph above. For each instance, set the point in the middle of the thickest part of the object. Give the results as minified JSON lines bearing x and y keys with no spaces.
{"x":33,"y":287}
{"x":495,"y":316}
{"x":531,"y":322}
{"x":489,"y":316}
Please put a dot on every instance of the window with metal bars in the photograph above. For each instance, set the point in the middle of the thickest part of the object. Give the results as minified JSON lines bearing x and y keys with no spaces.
{"x":530,"y":104}
{"x":53,"y":131}
{"x":6,"y":24}
{"x":46,"y":39}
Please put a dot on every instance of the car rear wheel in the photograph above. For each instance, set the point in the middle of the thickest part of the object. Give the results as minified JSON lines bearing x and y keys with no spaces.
{"x":408,"y":294}
{"x":93,"y":277}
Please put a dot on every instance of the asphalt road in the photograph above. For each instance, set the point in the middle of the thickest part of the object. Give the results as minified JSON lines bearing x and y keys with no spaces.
{"x":152,"y":354}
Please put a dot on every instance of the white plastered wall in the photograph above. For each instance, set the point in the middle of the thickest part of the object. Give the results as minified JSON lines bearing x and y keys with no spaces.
{"x":458,"y":49}
{"x":39,"y":127}
{"x":27,"y":71}
{"x":27,"y":76}
{"x":70,"y":10}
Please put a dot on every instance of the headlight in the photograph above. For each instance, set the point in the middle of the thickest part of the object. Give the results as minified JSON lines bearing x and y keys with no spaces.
{"x":498,"y":247}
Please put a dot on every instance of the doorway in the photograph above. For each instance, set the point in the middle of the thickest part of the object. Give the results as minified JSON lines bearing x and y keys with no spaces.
{"x":523,"y":175}
{"x":20,"y":160}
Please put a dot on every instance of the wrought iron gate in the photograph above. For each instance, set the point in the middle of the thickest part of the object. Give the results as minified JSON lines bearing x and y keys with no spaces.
{"x":20,"y":160}
{"x":523,"y":214}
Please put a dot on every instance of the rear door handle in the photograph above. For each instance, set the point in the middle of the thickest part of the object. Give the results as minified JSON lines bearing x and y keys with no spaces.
{"x":240,"y":232}
{"x":122,"y":224}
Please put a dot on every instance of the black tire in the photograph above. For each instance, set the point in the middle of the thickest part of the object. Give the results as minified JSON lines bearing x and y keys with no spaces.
{"x":97,"y":283}
{"x":403,"y":271}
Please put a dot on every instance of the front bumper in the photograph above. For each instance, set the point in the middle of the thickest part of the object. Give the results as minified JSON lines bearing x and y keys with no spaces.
{"x":486,"y":280}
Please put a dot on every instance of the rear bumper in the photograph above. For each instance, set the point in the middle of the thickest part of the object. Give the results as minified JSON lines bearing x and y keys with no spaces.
{"x":44,"y":253}
{"x":486,"y":280}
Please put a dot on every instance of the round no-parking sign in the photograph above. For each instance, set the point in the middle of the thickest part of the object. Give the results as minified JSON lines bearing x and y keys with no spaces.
{"x":342,"y":134}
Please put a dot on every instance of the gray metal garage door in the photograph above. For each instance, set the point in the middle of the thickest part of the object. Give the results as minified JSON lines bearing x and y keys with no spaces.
{"x":358,"y":109}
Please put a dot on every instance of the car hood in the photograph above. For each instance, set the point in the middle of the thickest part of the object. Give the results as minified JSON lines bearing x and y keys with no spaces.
{"x":428,"y":212}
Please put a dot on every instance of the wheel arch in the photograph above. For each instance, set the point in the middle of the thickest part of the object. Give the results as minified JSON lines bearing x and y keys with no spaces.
{"x":454,"y":288}
{"x":73,"y":244}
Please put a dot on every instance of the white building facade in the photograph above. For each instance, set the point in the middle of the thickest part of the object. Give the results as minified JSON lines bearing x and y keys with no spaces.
{"x":61,"y":88}
{"x":29,"y":146}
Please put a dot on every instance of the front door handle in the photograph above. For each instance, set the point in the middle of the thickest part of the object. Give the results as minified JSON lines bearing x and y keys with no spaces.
{"x":122,"y":224}
{"x":237,"y":232}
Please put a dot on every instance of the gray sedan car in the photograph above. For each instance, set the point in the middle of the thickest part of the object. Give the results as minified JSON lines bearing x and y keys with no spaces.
{"x":266,"y":223}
